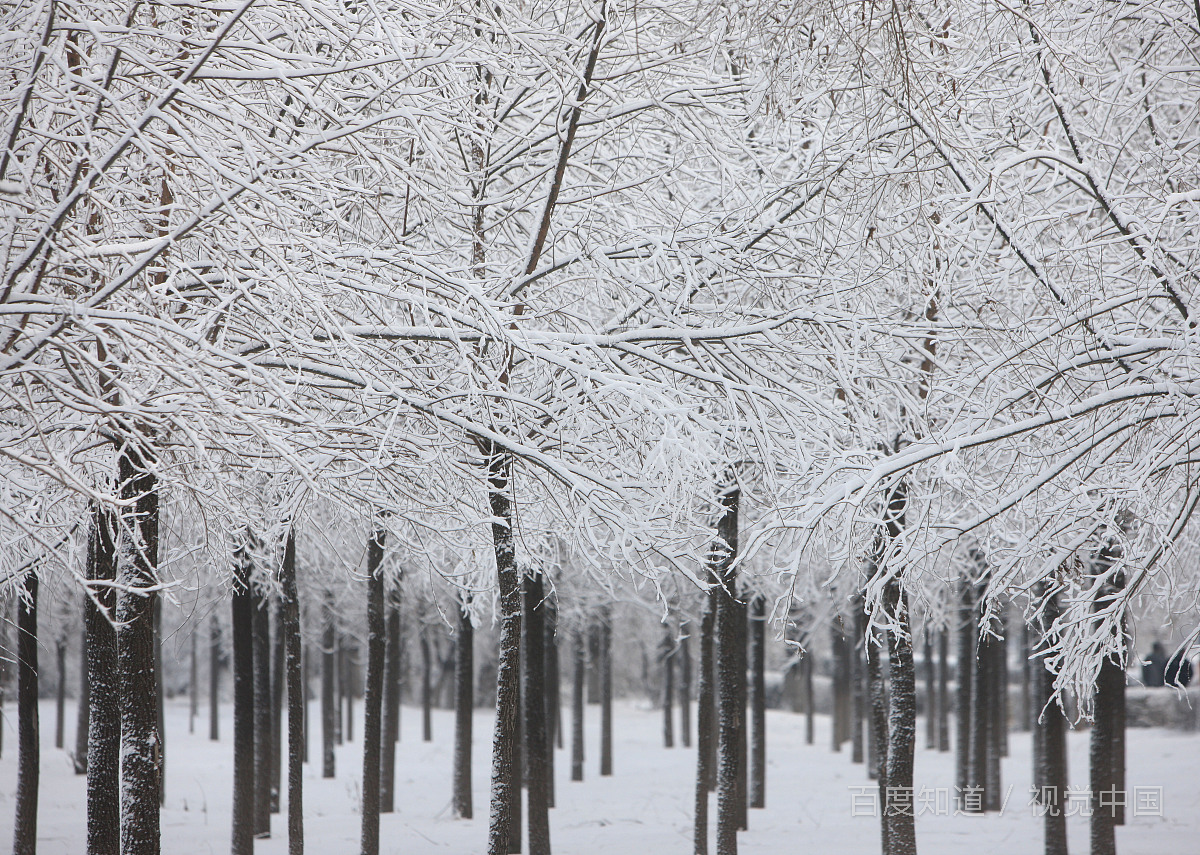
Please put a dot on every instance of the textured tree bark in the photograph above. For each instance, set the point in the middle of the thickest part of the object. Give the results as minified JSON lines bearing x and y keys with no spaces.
{"x":243,"y":702}
{"x":1049,"y":733}
{"x":537,"y":744}
{"x":373,"y":695}
{"x":464,"y":707}
{"x":82,"y":711}
{"x":278,"y":679}
{"x":160,"y":701}
{"x":1103,"y":780}
{"x":902,"y":723}
{"x":877,"y":689}
{"x":505,"y":774}
{"x":606,"y":692}
{"x":553,"y":691}
{"x":706,"y":736}
{"x":104,"y":717}
{"x":289,"y":626}
{"x":667,"y":662}
{"x":685,"y":685}
{"x":28,"y":750}
{"x":329,"y":700}
{"x":391,"y":705}
{"x":214,"y":678}
{"x":964,"y":677}
{"x":992,"y":710}
{"x":731,"y":675}
{"x":136,"y":651}
{"x":758,"y":702}
{"x":578,"y":686}
{"x":980,"y":718}
{"x":943,"y":690}
{"x":262,"y":714}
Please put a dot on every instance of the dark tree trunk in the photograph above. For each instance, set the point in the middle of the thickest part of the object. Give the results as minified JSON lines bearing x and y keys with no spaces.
{"x":706,"y":731}
{"x":964,"y":677}
{"x":426,"y":687}
{"x":877,"y":689}
{"x":289,"y":626}
{"x":1103,"y":780}
{"x":537,"y":745}
{"x":902,"y":722}
{"x":731,"y":676}
{"x":329,"y":701}
{"x":349,"y":684}
{"x":464,"y":707}
{"x":1025,"y":715}
{"x":579,"y":679}
{"x":553,"y":691}
{"x":980,"y":717}
{"x":685,"y":685}
{"x":391,"y":706}
{"x":667,"y":662}
{"x":373,"y":695}
{"x":1049,"y":734}
{"x":278,"y":679}
{"x":593,"y":677}
{"x":263,"y":753}
{"x":840,"y":656}
{"x":758,"y":702}
{"x":214,"y":678}
{"x":104,"y":717}
{"x":243,"y":702}
{"x":137,"y":648}
{"x":28,"y":749}
{"x":931,"y":713}
{"x":857,"y":679}
{"x":60,"y":693}
{"x":160,"y":706}
{"x":606,"y":693}
{"x":339,"y":685}
{"x":943,"y":690}
{"x":505,"y":825}
{"x":84,"y":708}
{"x":810,"y":705}
{"x":4,"y":621}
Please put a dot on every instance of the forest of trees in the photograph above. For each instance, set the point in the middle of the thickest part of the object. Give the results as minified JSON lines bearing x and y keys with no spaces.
{"x":861,"y":322}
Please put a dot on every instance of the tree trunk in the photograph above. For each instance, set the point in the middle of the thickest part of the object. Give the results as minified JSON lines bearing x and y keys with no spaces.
{"x":877,"y":689}
{"x":534,"y":692}
{"x":553,"y":691}
{"x":289,"y":627}
{"x":504,"y":824}
{"x":464,"y":707}
{"x":840,"y":729}
{"x":83,"y":710}
{"x":373,"y":695}
{"x":214,"y":677}
{"x":731,"y":674}
{"x":685,"y":685}
{"x":943,"y":690}
{"x":579,"y":679}
{"x":1103,"y":784}
{"x":995,"y":711}
{"x":60,"y":691}
{"x":349,"y":683}
{"x":980,"y":717}
{"x":28,"y":749}
{"x":426,"y":687}
{"x":810,"y":706}
{"x":141,"y":746}
{"x":243,"y":702}
{"x":328,"y":700}
{"x":262,"y":714}
{"x":160,"y":697}
{"x":104,"y":716}
{"x":339,"y":685}
{"x":278,"y":679}
{"x":606,"y":692}
{"x":931,"y":714}
{"x":706,"y":741}
{"x":193,"y":683}
{"x":1050,"y":734}
{"x":857,"y":679}
{"x":902,"y":723}
{"x":391,"y":705}
{"x":758,"y":702}
{"x":964,"y":677}
{"x":667,"y":661}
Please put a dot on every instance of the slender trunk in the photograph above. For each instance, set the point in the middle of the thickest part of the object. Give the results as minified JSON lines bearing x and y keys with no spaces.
{"x":104,"y":717}
{"x":82,"y":711}
{"x":606,"y":693}
{"x":857,"y":679}
{"x":262,"y":715}
{"x":810,"y":706}
{"x":504,"y":825}
{"x":706,"y":741}
{"x":391,"y":706}
{"x":995,"y":710}
{"x":339,"y":684}
{"x":964,"y":676}
{"x":193,"y":683}
{"x":840,"y":727}
{"x":289,"y":626}
{"x":667,"y":661}
{"x":373,"y":695}
{"x":28,"y":749}
{"x":943,"y":690}
{"x":464,"y":707}
{"x":980,"y":717}
{"x":1103,"y":783}
{"x":877,"y":689}
{"x":278,"y":679}
{"x":160,"y":706}
{"x":1050,"y":735}
{"x":60,"y":694}
{"x":426,"y":687}
{"x":305,"y":679}
{"x":243,"y":702}
{"x":141,"y":745}
{"x":1025,"y":715}
{"x":685,"y":685}
{"x":534,"y":693}
{"x":4,"y":621}
{"x":214,"y":677}
{"x":349,"y":684}
{"x":758,"y":702}
{"x":553,"y":691}
{"x":329,"y":716}
{"x":593,"y":677}
{"x":931,"y":714}
{"x":902,"y":723}
{"x":731,"y":674}
{"x":579,"y":678}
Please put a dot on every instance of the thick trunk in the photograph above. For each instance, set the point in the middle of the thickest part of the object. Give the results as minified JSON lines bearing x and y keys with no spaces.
{"x":278,"y":679}
{"x":943,"y":690}
{"x":214,"y":677}
{"x":289,"y":626}
{"x":243,"y":704}
{"x":534,"y":694}
{"x":28,"y":750}
{"x":373,"y":695}
{"x":104,"y":717}
{"x":1103,"y":781}
{"x":464,"y":706}
{"x":685,"y":686}
{"x":141,"y":747}
{"x":263,"y":753}
{"x":758,"y":702}
{"x":578,"y":684}
{"x":83,"y":710}
{"x":606,"y":693}
{"x":329,"y":715}
{"x":902,"y":724}
{"x":504,"y":825}
{"x":731,"y":675}
{"x":1050,"y":735}
{"x":667,"y":663}
{"x":391,"y":706}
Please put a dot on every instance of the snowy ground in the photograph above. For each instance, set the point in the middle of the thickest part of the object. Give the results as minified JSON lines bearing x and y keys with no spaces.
{"x":644,"y":808}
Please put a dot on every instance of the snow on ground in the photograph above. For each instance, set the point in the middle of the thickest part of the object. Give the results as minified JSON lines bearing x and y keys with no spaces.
{"x":646,"y":807}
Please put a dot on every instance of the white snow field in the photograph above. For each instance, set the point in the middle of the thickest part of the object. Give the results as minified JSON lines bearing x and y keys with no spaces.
{"x":646,"y":807}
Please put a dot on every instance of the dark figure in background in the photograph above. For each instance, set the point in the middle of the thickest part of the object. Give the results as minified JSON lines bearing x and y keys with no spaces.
{"x":1155,"y":666}
{"x":1178,"y":671}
